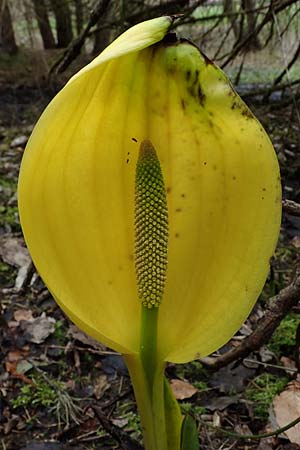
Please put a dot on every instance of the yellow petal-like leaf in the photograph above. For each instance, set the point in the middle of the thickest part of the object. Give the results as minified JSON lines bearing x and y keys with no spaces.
{"x":76,"y":194}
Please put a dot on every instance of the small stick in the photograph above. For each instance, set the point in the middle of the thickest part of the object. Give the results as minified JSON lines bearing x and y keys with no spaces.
{"x":291,"y":207}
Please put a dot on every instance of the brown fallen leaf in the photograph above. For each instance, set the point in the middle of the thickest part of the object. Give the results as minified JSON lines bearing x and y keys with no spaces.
{"x":101,"y":385}
{"x":11,"y":368}
{"x":80,"y":336}
{"x":296,"y":241}
{"x":38,"y":329}
{"x":23,"y":314}
{"x":182,"y":389}
{"x":13,"y":251}
{"x":286,"y":408}
{"x":16,"y":355}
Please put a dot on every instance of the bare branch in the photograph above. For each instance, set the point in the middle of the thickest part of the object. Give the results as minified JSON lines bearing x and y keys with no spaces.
{"x":274,"y":8}
{"x":291,"y":207}
{"x":75,"y":47}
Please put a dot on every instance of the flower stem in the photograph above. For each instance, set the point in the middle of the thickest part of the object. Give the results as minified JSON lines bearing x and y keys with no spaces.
{"x":147,"y":375}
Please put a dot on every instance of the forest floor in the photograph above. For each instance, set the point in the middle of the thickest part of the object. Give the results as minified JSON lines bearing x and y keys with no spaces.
{"x":61,"y":390}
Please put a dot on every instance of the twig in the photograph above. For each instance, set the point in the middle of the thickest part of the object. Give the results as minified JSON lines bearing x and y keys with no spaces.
{"x":279,"y":306}
{"x":123,"y":438}
{"x":74,"y":49}
{"x":286,"y":69}
{"x":291,"y":207}
{"x":274,"y":366}
{"x":274,"y":8}
{"x":253,"y":436}
{"x":268,"y":90}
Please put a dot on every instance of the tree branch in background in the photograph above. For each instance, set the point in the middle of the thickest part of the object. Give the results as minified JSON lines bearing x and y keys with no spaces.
{"x":288,"y":67}
{"x":170,"y":7}
{"x":274,"y":8}
{"x":291,"y":207}
{"x":268,"y":90}
{"x":278,"y":307}
{"x":74,"y":49}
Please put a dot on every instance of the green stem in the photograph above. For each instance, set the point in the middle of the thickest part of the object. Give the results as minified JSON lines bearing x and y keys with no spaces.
{"x":154,"y":373}
{"x":148,"y":344}
{"x":147,"y":375}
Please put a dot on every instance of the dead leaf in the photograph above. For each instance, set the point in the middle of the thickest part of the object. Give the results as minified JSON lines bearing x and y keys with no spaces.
{"x":220,"y":403}
{"x":288,"y":363}
{"x":296,"y":241}
{"x":182,"y":389}
{"x":39,"y":329}
{"x":11,"y":368}
{"x":101,"y":385}
{"x":80,"y":336}
{"x":265,"y":354}
{"x":231,"y":379}
{"x":23,"y":366}
{"x":286,"y":408}
{"x":23,"y":314}
{"x":13,"y":251}
{"x":19,"y":141}
{"x":121,"y":423}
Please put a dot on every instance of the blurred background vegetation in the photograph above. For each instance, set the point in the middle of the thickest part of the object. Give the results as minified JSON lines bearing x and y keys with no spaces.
{"x":256,"y":41}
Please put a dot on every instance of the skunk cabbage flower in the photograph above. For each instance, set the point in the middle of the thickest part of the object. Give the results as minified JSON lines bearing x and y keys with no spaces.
{"x":150,"y":200}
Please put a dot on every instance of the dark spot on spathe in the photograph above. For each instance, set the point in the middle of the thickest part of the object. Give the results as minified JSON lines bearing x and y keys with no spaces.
{"x":177,"y":235}
{"x":247,"y":113}
{"x":183,"y":103}
{"x":201,"y":95}
{"x":196,"y":76}
{"x":178,"y":210}
{"x":127,"y":160}
{"x":183,"y":195}
{"x":168,"y":190}
{"x":134,"y":139}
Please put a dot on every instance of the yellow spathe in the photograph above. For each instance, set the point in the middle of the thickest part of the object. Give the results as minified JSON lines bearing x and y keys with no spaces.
{"x":76,"y":194}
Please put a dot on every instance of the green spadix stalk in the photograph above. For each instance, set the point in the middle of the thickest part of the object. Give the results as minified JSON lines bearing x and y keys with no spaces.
{"x":150,"y":200}
{"x":151,"y":247}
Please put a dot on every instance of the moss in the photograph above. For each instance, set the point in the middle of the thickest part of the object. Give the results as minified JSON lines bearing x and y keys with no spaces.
{"x":60,"y":333}
{"x":262,"y":391}
{"x":8,"y":183}
{"x":7,"y":274}
{"x":39,"y":394}
{"x":193,"y":371}
{"x":194,"y":410}
{"x":125,"y":412}
{"x":201,"y":385}
{"x":284,"y":339}
{"x":9,"y":217}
